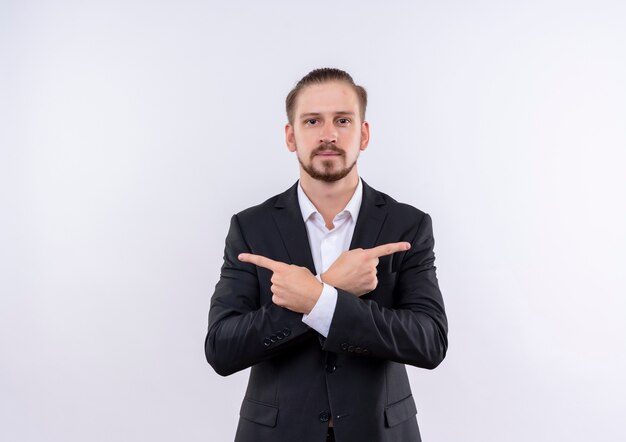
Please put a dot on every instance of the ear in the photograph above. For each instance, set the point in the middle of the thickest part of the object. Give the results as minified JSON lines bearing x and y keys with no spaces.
{"x":290,"y":137}
{"x":365,"y":135}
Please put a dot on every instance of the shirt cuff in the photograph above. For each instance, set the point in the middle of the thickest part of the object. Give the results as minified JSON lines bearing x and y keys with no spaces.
{"x":321,"y":315}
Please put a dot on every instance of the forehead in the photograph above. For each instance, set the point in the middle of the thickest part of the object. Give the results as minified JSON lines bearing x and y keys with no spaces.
{"x":329,"y":97}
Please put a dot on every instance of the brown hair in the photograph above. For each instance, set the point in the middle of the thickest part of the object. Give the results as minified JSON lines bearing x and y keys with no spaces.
{"x":324,"y":75}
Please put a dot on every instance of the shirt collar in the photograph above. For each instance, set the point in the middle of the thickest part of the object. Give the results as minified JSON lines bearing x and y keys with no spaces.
{"x":354,"y":205}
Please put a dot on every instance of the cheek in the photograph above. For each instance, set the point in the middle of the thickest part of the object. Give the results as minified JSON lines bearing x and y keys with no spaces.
{"x":303,"y":140}
{"x":353,"y":145}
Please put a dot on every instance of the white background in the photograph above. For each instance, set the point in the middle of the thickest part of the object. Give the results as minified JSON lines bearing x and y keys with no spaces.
{"x":132,"y":130}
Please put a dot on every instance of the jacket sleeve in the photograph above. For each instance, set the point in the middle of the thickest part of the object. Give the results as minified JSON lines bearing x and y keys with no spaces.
{"x":243,"y":330}
{"x":414,"y":330}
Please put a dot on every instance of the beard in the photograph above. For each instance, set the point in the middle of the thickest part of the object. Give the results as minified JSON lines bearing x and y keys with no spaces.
{"x":328,"y":172}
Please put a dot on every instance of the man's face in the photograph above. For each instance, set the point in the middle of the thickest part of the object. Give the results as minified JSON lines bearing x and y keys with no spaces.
{"x":327,"y":133}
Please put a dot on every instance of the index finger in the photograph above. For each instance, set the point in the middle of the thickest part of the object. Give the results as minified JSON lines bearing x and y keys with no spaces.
{"x":260,"y":261}
{"x":388,"y":249}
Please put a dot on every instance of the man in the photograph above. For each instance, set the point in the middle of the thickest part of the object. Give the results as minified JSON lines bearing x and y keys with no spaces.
{"x":327,"y":289}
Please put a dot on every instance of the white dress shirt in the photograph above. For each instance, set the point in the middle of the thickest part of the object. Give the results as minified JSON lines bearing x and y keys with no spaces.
{"x":326,"y":246}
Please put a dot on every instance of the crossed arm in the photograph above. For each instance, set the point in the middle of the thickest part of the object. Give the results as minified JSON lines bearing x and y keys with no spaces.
{"x":414,"y":331}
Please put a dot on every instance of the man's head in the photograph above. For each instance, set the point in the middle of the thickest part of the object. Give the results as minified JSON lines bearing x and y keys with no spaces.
{"x":326,"y":125}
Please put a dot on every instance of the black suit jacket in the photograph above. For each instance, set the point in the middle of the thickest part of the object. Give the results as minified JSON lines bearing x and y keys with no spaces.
{"x":357,"y":374}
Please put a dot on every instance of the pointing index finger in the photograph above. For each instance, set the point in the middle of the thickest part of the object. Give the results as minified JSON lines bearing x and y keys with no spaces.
{"x":388,"y":249}
{"x":260,"y":261}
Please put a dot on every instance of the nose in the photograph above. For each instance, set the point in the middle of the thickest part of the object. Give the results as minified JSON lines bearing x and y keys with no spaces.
{"x":328,"y":133}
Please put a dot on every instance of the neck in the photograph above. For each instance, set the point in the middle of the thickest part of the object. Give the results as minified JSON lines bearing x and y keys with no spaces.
{"x":330,"y":198}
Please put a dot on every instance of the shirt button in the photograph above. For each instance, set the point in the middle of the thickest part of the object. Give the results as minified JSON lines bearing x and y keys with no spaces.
{"x":324,"y":416}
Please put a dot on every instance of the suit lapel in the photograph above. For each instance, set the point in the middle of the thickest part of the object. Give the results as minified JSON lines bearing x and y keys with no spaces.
{"x":370,"y":220}
{"x":292,"y":230}
{"x":288,"y":218}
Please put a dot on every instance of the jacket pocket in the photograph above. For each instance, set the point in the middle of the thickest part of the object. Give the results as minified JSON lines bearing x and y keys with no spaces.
{"x":259,"y":412}
{"x":400,"y":411}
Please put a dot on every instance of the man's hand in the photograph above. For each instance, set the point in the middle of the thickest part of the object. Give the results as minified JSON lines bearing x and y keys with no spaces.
{"x":293,"y":287}
{"x":355,"y":270}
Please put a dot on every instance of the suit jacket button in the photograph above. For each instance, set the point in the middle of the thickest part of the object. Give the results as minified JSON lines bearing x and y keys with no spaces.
{"x":324,"y":416}
{"x":331,"y":368}
{"x":366,"y":352}
{"x":344,"y":346}
{"x":267,"y":342}
{"x":358,"y":350}
{"x":273,"y":338}
{"x":286,"y":331}
{"x":351,"y":348}
{"x":280,"y":335}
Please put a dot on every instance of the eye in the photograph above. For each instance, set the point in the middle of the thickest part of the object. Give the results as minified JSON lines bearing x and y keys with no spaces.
{"x":343,"y":121}
{"x":311,"y":121}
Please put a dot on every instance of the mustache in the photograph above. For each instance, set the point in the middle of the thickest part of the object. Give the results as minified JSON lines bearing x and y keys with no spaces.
{"x":327,"y":147}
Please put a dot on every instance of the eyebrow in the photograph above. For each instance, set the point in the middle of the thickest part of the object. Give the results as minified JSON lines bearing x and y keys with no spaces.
{"x":317,"y":114}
